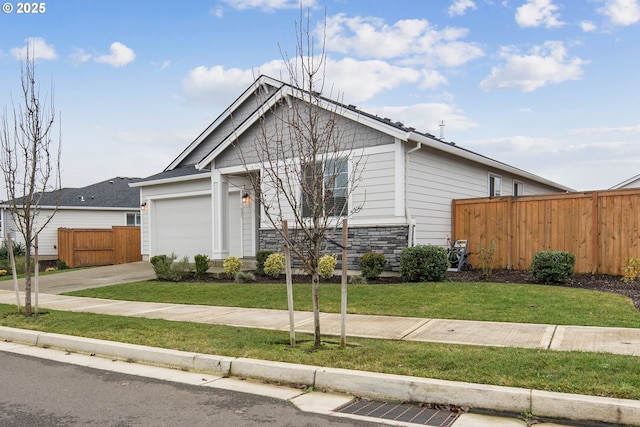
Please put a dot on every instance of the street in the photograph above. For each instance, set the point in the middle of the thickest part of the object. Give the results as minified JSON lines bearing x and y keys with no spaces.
{"x":40,"y":392}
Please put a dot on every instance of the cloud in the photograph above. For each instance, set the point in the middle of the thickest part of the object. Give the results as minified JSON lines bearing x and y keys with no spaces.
{"x":410,"y":40}
{"x":536,"y":13}
{"x":269,"y":5}
{"x":459,"y":7}
{"x":120,"y":55}
{"x":80,"y":55}
{"x":546,"y":64}
{"x":621,"y":12}
{"x":588,"y":26}
{"x":347,"y":78}
{"x":37,"y":48}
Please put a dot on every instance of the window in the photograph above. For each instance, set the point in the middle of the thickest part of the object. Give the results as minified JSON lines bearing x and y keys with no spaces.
{"x":334,"y":190}
{"x":133,"y":219}
{"x":518,"y":188}
{"x":495,"y":185}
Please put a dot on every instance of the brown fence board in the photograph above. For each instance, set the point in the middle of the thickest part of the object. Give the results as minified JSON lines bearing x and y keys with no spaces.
{"x":93,"y":247}
{"x":601,"y":228}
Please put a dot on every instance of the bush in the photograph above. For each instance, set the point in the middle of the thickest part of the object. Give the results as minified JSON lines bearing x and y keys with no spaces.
{"x":202,"y":265}
{"x":423,"y":263}
{"x":245,"y":277}
{"x":232,"y":265}
{"x":357,"y":280}
{"x":372,"y":264}
{"x":61,"y":265}
{"x":261,"y":257}
{"x":274,"y":265}
{"x":326,"y":266}
{"x":19,"y":249}
{"x":552,"y":266}
{"x":166,"y":269}
{"x":631,"y":270}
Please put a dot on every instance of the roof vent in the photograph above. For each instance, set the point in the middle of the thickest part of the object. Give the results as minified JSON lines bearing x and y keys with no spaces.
{"x":111,"y":182}
{"x":81,"y":198}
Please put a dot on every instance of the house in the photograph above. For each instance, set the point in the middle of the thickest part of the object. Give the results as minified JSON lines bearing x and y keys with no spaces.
{"x":202,"y":202}
{"x":102,"y":205}
{"x":633,"y":182}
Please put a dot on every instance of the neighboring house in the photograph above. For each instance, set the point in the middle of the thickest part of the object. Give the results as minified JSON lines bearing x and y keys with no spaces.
{"x":197,"y":204}
{"x":101,"y":205}
{"x":633,"y":182}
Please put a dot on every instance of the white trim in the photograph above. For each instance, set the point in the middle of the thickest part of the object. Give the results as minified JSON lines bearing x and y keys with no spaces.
{"x":400,"y":175}
{"x":80,"y":208}
{"x":179,"y":195}
{"x":171,"y":180}
{"x":494,"y":176}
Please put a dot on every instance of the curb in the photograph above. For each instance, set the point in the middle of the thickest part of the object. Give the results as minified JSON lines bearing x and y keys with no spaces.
{"x":366,"y":384}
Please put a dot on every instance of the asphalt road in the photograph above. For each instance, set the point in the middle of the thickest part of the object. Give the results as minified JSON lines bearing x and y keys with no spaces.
{"x":40,"y":392}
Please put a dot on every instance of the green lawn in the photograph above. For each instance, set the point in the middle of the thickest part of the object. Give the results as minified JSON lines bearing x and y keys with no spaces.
{"x":556,"y":305}
{"x":570,"y":372}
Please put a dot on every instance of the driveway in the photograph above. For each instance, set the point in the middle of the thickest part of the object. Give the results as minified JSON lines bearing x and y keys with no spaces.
{"x":85,"y":278}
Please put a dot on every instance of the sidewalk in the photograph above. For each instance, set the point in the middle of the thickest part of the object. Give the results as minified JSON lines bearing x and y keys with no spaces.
{"x":501,"y":334}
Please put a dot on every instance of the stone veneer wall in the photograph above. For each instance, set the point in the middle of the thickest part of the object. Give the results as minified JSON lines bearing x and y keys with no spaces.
{"x":388,"y":240}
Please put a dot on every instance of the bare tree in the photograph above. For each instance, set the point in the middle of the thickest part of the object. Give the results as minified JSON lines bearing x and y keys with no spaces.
{"x":30,"y":160}
{"x":307,"y":169}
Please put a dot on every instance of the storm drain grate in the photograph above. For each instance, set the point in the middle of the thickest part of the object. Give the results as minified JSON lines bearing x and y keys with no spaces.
{"x":408,"y":413}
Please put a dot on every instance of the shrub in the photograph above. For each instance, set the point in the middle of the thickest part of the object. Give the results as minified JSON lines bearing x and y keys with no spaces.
{"x":49,"y":269}
{"x":61,"y":265}
{"x":166,"y":269}
{"x":3,"y":272}
{"x":245,"y":277}
{"x":202,"y":265}
{"x":261,"y":257}
{"x":372,"y":264}
{"x":631,"y":270}
{"x":423,"y":263}
{"x":357,"y":280}
{"x":274,"y":265}
{"x":486,"y":256}
{"x":326,"y":266}
{"x":552,"y":266}
{"x":19,"y":249}
{"x":232,"y":265}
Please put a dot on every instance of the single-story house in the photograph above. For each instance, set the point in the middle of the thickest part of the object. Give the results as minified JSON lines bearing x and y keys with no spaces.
{"x":202,"y":202}
{"x":102,"y":205}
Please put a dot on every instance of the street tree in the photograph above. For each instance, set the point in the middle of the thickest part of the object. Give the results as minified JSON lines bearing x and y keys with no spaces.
{"x":307,"y":167}
{"x":30,"y":160}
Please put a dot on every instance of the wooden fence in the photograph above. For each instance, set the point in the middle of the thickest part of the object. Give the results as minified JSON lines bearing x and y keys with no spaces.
{"x":84,"y":247}
{"x":600,"y":228}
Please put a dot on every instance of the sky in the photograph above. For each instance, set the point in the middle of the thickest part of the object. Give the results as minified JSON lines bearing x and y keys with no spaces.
{"x":548,"y":86}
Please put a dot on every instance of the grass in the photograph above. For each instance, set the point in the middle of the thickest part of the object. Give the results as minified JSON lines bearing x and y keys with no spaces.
{"x":468,"y":301}
{"x":570,"y":372}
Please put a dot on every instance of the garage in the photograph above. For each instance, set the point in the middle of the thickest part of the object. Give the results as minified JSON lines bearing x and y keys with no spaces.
{"x":181,"y":226}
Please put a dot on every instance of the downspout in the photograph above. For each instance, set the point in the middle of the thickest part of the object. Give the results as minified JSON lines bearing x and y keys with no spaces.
{"x":412,"y":223}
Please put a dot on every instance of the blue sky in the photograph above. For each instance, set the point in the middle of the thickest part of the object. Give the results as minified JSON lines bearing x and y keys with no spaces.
{"x":549,"y":86}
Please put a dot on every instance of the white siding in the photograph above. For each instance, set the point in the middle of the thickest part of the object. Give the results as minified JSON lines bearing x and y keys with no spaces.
{"x":66,"y":218}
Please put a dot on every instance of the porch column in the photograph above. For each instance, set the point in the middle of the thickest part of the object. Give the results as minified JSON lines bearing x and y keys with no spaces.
{"x":220,"y":211}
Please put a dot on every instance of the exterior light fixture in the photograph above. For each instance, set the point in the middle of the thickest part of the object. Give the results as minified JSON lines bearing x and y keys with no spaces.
{"x":245,"y":198}
{"x":143,"y":206}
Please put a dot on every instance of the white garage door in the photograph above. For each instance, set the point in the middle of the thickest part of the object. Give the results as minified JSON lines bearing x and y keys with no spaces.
{"x":181,"y":226}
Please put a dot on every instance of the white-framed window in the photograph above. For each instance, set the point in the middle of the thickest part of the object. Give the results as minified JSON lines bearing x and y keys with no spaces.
{"x":133,"y":219}
{"x":518,"y":188}
{"x":495,"y":185}
{"x":334,"y":189}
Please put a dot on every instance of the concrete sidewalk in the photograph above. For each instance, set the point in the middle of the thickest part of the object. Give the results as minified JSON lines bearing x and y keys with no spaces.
{"x":501,"y":334}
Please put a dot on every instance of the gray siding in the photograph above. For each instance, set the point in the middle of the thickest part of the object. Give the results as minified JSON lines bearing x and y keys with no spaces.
{"x":350,"y":135}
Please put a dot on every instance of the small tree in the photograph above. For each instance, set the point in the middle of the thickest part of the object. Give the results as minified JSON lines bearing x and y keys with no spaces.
{"x":30,"y":161}
{"x":302,"y":163}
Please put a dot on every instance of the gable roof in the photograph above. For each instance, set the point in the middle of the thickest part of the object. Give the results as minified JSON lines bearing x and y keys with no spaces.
{"x":626,"y":182}
{"x":276,"y":90}
{"x":112,"y":193}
